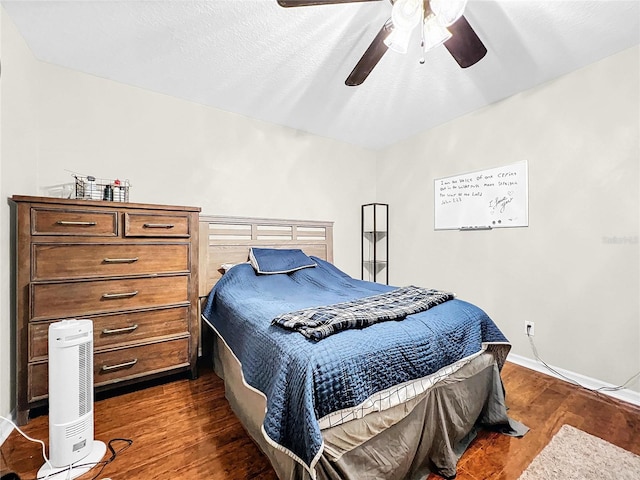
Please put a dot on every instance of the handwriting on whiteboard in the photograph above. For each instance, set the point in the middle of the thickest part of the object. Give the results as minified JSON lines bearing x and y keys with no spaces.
{"x":495,"y":197}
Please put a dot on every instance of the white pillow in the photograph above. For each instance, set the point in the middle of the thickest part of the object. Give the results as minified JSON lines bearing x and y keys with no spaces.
{"x":228,"y":266}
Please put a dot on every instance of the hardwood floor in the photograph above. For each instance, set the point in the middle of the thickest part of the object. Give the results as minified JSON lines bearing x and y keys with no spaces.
{"x":186,"y":430}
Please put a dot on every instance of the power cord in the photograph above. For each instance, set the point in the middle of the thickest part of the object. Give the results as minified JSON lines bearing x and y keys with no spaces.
{"x":103,"y":463}
{"x":34,"y":440}
{"x":571,"y":380}
{"x":114,"y":453}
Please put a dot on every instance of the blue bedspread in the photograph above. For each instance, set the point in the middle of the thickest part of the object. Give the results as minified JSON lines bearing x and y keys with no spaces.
{"x":304,"y":380}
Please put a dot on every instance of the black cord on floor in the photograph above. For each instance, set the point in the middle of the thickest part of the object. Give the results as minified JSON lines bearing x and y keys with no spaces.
{"x":103,"y":463}
{"x":10,"y":476}
{"x":114,"y":453}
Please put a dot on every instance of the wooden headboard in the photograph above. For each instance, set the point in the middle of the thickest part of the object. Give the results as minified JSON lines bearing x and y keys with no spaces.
{"x":228,"y":240}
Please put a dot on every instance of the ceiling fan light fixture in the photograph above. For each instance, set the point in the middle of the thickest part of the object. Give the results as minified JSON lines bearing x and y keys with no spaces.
{"x":447,"y":11}
{"x":405,"y":15}
{"x":398,"y":40}
{"x":433,"y":33}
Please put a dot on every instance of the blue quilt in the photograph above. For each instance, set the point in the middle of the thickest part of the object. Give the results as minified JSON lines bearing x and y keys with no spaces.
{"x":304,"y":380}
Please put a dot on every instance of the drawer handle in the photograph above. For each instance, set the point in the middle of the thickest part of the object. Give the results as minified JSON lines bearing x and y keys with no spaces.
{"x":108,"y":331}
{"x":120,"y":260}
{"x":158,"y":225}
{"x":76,"y":224}
{"x":120,"y":295}
{"x":108,"y":368}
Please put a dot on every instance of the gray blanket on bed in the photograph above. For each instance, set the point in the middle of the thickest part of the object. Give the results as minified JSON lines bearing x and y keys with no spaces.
{"x":317,"y":323}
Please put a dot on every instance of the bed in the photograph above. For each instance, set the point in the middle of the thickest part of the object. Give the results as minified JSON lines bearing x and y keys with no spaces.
{"x":394,"y":400}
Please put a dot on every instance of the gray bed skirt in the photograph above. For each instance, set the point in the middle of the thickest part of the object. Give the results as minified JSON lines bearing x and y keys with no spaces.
{"x":426,"y":434}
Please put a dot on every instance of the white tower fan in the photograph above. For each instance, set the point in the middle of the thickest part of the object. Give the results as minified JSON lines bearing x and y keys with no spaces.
{"x":71,"y":439}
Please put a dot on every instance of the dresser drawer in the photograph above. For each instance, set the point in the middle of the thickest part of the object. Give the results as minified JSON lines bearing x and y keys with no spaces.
{"x":51,"y":221}
{"x":118,"y":329}
{"x":118,"y":365}
{"x":69,"y":261}
{"x":73,"y":299}
{"x":156,"y":225}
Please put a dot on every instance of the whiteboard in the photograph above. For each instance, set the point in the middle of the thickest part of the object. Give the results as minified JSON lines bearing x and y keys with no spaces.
{"x":494,"y":198}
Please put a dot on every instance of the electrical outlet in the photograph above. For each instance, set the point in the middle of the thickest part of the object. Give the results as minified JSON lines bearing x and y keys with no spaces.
{"x":529,"y":328}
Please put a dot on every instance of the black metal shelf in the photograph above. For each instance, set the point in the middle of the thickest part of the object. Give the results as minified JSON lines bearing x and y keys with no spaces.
{"x":379,"y":235}
{"x":375,"y":242}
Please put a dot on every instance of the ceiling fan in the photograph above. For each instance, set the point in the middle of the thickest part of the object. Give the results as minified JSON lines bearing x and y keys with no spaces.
{"x":440,"y":22}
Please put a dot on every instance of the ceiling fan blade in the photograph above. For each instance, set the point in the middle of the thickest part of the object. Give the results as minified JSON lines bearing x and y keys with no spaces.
{"x":465,"y":45}
{"x":306,"y":3}
{"x":370,"y":58}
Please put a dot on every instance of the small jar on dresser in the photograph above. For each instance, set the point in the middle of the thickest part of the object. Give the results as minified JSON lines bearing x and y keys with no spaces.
{"x":129,"y":267}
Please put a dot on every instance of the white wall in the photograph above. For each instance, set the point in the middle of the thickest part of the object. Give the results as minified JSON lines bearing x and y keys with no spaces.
{"x":5,"y":355}
{"x":575,"y":270}
{"x":18,"y":159}
{"x":172,"y":151}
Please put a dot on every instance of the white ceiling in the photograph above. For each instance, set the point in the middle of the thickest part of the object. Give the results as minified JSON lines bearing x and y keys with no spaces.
{"x":288,"y":65}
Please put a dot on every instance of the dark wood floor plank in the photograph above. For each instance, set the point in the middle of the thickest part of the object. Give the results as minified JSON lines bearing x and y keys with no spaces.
{"x":186,"y":430}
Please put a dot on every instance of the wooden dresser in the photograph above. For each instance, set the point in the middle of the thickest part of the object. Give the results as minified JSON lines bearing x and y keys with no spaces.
{"x":129,"y":267}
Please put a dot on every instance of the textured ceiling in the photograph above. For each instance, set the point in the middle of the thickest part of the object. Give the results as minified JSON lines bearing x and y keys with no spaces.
{"x":288,"y":65}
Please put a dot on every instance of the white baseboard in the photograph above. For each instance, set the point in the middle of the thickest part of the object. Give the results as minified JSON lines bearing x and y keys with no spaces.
{"x":625,"y":395}
{"x":5,"y":427}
